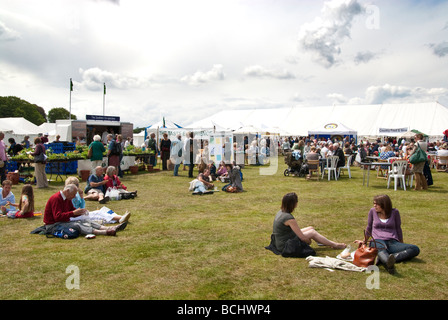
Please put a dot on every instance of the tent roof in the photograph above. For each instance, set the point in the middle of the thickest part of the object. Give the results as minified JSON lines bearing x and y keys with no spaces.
{"x":249,"y":129}
{"x":49,"y":128}
{"x":164,"y":124}
{"x":19,"y":125}
{"x":430,"y":118}
{"x":332,"y":128}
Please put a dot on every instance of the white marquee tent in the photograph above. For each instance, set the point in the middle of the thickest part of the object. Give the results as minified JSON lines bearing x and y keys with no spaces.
{"x":332,"y":128}
{"x":19,"y":126}
{"x":367,"y":120}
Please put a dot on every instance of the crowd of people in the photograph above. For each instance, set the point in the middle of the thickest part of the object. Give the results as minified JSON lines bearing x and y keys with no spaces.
{"x":391,"y":148}
{"x":67,"y":207}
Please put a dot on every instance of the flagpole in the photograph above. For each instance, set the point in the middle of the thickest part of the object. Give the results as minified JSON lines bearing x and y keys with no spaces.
{"x":70,"y":102}
{"x":104,"y":99}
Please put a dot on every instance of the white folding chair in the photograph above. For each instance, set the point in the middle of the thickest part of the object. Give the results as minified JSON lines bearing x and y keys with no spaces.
{"x":398,"y":171}
{"x":347,"y":166}
{"x":331,"y":166}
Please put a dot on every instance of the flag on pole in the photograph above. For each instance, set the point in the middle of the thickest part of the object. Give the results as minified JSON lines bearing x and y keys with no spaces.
{"x":164,"y":122}
{"x":104,"y":88}
{"x":71,"y":85}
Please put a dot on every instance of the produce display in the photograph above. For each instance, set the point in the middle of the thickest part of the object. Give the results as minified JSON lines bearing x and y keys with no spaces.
{"x":80,"y":153}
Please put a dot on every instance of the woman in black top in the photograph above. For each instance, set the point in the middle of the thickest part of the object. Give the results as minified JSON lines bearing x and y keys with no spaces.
{"x":165,"y":147}
{"x":285,"y":227}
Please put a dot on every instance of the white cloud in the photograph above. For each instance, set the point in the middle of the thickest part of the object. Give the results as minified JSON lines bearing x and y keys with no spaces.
{"x":261,"y":72}
{"x":440,"y":49}
{"x":93,"y":79}
{"x":200,"y":77}
{"x":396,"y":94}
{"x":8,"y":34}
{"x":325,"y":35}
{"x":380,"y":94}
{"x":172,"y":57}
{"x":364,"y":57}
{"x":337,"y":98}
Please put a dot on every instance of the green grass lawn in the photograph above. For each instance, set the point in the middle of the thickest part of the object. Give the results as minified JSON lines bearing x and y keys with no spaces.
{"x":179,"y":246}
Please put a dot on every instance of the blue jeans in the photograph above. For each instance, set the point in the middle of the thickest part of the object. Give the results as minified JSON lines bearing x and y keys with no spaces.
{"x":176,"y":169}
{"x":152,"y":160}
{"x":200,"y":187}
{"x":394,"y":246}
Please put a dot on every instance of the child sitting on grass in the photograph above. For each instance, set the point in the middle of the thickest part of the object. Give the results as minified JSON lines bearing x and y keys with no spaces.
{"x":26,"y":203}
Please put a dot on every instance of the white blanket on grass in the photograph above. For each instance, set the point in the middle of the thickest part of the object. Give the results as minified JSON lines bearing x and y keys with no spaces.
{"x":332,"y":263}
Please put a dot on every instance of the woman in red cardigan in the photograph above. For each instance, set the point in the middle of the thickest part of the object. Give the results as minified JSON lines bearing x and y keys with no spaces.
{"x":112,"y":179}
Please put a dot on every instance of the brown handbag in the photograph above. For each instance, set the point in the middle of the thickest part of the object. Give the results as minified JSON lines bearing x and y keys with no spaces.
{"x":365,"y":255}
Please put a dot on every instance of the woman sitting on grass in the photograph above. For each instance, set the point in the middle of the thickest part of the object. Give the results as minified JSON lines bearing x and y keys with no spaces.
{"x":384,"y":224}
{"x":286,"y":229}
{"x":222,"y":173}
{"x":235,"y":184}
{"x":114,"y":182}
{"x":112,"y":179}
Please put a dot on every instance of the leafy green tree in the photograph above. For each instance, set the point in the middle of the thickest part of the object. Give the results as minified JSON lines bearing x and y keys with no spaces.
{"x":59,"y":114}
{"x":15,"y":107}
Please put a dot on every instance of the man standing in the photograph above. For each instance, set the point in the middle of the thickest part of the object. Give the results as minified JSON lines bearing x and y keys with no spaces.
{"x":44,"y":138}
{"x":176,"y":153}
{"x":165,"y":146}
{"x":189,"y":154}
{"x":152,"y":147}
{"x":3,"y":157}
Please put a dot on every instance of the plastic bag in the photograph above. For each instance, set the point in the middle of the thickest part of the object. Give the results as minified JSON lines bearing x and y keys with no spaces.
{"x":113,"y":193}
{"x":347,"y":254}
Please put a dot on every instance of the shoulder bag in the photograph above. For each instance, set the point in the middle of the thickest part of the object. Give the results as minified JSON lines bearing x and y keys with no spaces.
{"x":41,"y":157}
{"x":418,"y":156}
{"x":365,"y":255}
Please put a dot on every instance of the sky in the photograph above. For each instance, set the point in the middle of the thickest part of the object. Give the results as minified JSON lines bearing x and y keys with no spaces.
{"x":186,"y":60}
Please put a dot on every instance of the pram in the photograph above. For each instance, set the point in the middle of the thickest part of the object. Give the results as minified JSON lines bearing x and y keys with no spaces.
{"x":295,"y":163}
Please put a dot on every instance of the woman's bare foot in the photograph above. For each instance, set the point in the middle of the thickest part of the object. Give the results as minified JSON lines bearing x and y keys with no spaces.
{"x":339,"y":246}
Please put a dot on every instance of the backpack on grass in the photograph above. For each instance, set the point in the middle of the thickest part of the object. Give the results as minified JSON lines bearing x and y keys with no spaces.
{"x":65,"y":232}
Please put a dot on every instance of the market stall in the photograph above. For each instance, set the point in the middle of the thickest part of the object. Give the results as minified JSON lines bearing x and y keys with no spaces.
{"x":333,"y":131}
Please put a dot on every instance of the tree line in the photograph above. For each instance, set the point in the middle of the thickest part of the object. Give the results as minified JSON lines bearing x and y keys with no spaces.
{"x":15,"y":107}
